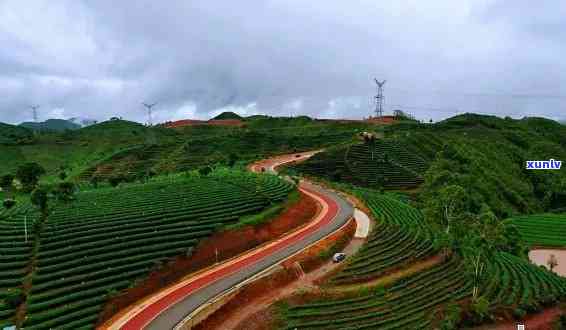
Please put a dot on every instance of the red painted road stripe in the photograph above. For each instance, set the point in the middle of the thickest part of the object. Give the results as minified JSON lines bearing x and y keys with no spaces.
{"x":145,"y":316}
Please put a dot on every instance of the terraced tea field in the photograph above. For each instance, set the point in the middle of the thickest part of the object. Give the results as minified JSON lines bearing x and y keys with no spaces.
{"x":384,"y":163}
{"x":405,"y":304}
{"x":14,"y":258}
{"x":399,"y":238}
{"x":542,"y":230}
{"x":514,"y":282}
{"x":410,"y":303}
{"x":106,"y":239}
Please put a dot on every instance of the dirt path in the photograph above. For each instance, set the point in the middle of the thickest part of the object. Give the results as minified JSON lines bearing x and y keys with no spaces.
{"x":539,"y":321}
{"x":414,"y":268}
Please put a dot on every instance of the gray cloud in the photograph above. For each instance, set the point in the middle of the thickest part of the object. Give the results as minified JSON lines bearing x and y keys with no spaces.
{"x":196,"y":58}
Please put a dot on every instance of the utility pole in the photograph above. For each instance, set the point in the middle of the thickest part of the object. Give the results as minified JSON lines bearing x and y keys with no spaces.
{"x":149,"y":108}
{"x":379,"y":98}
{"x":34,"y":110}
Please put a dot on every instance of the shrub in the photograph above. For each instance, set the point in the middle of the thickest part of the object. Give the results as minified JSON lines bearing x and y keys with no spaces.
{"x":479,"y":310}
{"x":14,"y":298}
{"x":65,"y":191}
{"x":206,"y":170}
{"x":9,"y":203}
{"x":519,"y":313}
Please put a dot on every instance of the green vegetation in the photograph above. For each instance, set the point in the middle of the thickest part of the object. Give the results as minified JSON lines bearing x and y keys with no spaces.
{"x":119,"y":147}
{"x":410,"y":303}
{"x":399,"y":238}
{"x":96,"y":244}
{"x":51,"y":125}
{"x":265,"y":215}
{"x":81,"y":245}
{"x":485,"y":154}
{"x":375,"y":164}
{"x":14,"y":135}
{"x":542,"y":229}
{"x":513,"y":283}
{"x":406,"y":304}
{"x":471,"y":172}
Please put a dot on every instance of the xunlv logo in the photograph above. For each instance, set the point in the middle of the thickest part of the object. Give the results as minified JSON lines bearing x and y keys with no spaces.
{"x":544,"y":164}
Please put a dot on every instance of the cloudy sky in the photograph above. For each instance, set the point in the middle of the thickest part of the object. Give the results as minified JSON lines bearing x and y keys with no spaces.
{"x":98,"y":59}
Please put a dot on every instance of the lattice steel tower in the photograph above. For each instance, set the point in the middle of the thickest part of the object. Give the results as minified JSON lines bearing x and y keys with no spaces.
{"x":149,"y":108}
{"x":34,"y":110}
{"x":379,"y":98}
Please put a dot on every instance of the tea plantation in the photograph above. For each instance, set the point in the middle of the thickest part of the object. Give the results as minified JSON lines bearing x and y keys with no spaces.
{"x":400,"y":237}
{"x":106,"y":239}
{"x":543,"y":229}
{"x":383,"y":163}
{"x":411,"y":302}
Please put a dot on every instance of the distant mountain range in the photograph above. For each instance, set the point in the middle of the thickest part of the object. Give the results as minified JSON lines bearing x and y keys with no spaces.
{"x":59,"y":124}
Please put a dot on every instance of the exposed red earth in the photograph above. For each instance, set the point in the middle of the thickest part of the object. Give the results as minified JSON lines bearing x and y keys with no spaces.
{"x":148,"y":310}
{"x":540,"y":321}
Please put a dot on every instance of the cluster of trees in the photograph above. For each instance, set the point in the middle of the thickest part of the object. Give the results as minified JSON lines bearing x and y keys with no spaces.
{"x":28,"y":175}
{"x":476,"y":235}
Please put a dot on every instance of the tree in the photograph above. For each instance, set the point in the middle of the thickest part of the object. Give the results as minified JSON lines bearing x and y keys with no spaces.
{"x":9,"y":203}
{"x":62,"y":175}
{"x":39,"y":198}
{"x":6,"y":182}
{"x":29,"y":174}
{"x":232,"y":159}
{"x":204,"y":171}
{"x":552,"y":262}
{"x":448,"y":206}
{"x":65,"y":191}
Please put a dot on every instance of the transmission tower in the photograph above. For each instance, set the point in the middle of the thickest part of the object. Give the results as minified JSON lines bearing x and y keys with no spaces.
{"x":34,"y":110}
{"x":379,"y":98}
{"x":149,"y":108}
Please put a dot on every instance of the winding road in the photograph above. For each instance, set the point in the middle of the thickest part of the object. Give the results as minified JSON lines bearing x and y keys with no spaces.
{"x":169,"y":307}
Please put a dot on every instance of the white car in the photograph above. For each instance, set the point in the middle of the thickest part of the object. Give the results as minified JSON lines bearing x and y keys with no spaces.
{"x":337,"y":257}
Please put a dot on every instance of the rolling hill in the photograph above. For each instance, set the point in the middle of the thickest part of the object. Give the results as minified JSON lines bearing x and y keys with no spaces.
{"x":52,"y":125}
{"x":13,"y":135}
{"x":89,"y":249}
{"x":485,"y":154}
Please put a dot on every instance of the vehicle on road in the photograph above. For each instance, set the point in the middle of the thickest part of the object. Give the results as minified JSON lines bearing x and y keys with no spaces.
{"x":338,"y":257}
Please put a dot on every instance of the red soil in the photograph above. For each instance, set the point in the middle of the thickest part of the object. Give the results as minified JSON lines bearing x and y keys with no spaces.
{"x":540,"y":321}
{"x":220,"y":246}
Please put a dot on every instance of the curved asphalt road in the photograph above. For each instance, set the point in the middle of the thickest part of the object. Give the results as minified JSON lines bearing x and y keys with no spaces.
{"x":167,"y":311}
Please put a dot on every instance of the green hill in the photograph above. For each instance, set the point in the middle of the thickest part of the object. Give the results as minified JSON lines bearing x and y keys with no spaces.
{"x":383,"y":163}
{"x":228,"y":115}
{"x":485,"y":154}
{"x":78,"y":149}
{"x":12,"y":135}
{"x":99,"y":244}
{"x":51,"y":125}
